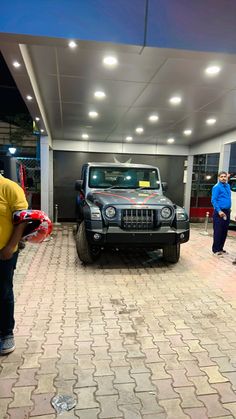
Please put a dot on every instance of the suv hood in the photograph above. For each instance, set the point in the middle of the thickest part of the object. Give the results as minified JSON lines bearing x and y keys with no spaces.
{"x":127,"y":197}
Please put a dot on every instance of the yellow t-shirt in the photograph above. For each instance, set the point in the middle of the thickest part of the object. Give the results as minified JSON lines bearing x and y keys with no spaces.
{"x":12,"y":198}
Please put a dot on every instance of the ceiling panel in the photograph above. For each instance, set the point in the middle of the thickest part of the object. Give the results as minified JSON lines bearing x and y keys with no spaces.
{"x":139,"y":116}
{"x":43,"y":59}
{"x":54,"y":117}
{"x":10,"y":55}
{"x":81,"y":90}
{"x":49,"y":88}
{"x":193,"y":97}
{"x":76,"y":115}
{"x":201,"y":131}
{"x":141,"y":84}
{"x":73,"y":133}
{"x":180,"y":71}
{"x":89,"y":64}
{"x":225,"y":104}
{"x":153,"y":139}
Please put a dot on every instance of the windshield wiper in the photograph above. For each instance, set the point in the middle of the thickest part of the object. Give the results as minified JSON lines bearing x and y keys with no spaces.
{"x":113,"y":187}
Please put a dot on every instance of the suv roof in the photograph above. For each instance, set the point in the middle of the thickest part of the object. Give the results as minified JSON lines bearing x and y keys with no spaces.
{"x":97,"y":164}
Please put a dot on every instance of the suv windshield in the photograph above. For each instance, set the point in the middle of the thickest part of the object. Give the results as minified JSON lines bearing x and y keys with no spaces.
{"x":124,"y":178}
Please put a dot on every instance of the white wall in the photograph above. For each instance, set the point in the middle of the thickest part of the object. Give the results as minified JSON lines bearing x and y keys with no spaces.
{"x":214,"y":145}
{"x":46,"y":163}
{"x":101,"y":147}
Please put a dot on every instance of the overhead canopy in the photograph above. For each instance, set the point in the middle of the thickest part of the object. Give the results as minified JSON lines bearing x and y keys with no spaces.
{"x":163,"y":48}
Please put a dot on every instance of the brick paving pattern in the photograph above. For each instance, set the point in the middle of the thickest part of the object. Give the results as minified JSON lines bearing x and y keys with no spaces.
{"x":129,"y":337}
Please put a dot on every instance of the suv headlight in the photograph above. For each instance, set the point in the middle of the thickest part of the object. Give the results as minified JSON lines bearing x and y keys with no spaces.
{"x":110,"y":212}
{"x":181,"y":214}
{"x":166,"y":213}
{"x":95,"y":213}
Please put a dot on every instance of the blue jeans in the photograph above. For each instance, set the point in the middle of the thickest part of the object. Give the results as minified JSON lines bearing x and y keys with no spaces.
{"x":7,"y":321}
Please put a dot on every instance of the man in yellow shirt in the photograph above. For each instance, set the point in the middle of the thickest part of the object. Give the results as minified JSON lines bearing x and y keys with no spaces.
{"x":12,"y":198}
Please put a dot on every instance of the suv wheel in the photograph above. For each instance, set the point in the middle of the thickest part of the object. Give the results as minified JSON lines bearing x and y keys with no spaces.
{"x":86,"y":253}
{"x":171,"y":253}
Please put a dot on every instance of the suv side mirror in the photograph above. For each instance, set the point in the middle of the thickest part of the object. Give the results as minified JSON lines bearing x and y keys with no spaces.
{"x":78,"y":185}
{"x":164,"y":186}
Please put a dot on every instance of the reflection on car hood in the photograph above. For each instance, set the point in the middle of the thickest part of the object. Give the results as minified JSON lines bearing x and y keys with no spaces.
{"x":128,"y":197}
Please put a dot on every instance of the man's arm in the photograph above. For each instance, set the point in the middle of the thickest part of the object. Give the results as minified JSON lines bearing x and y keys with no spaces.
{"x":214,"y":201}
{"x":7,"y":251}
{"x":214,"y":198}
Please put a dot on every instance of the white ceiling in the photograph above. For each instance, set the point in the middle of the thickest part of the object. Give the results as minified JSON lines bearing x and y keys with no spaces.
{"x":141,"y":84}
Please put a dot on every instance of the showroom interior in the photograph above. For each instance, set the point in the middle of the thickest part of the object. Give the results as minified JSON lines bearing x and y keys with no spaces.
{"x":150,"y":82}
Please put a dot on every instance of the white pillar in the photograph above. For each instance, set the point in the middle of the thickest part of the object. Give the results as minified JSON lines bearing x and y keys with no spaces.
{"x":225,"y":150}
{"x":188,"y":173}
{"x":50,"y":213}
{"x":46,"y":163}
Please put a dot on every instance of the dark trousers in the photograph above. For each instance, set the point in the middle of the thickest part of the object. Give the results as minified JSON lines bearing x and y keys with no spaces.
{"x":7,"y":320}
{"x":220,"y":229}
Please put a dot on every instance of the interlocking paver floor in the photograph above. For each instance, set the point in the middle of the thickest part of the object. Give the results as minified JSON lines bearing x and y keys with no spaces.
{"x":129,"y":337}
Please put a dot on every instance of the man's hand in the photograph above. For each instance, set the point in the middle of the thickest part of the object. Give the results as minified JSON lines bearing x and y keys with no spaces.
{"x":6,"y":253}
{"x":221,"y":214}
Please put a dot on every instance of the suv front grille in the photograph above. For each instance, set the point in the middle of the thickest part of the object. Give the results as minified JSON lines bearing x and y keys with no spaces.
{"x":137,"y":219}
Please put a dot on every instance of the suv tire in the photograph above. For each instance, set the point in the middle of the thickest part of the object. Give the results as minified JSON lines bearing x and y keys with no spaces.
{"x":171,"y":253}
{"x":86,"y":253}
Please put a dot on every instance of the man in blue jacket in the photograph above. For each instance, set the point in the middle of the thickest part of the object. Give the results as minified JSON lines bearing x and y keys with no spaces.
{"x":221,"y":201}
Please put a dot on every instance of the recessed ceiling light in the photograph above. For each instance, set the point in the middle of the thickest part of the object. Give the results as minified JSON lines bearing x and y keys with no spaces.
{"x":72,"y":44}
{"x":42,"y":130}
{"x":153,"y":118}
{"x":110,"y":61}
{"x":211,"y":121}
{"x":213,"y":70}
{"x":93,"y":114}
{"x":16,"y":64}
{"x":28,"y":97}
{"x":99,"y":94}
{"x":170,"y":140}
{"x":85,"y":136}
{"x":175,"y":100}
{"x":37,"y":118}
{"x":139,"y":130}
{"x":129,"y":138}
{"x":187,"y":132}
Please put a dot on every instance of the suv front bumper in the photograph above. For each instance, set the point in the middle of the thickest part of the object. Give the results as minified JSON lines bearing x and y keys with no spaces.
{"x":116,"y":236}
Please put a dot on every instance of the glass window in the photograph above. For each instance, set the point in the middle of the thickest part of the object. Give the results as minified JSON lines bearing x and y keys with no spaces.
{"x":205,"y":172}
{"x":232,"y":162}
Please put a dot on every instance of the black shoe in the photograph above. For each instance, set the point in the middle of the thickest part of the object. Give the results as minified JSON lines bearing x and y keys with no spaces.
{"x":7,"y":345}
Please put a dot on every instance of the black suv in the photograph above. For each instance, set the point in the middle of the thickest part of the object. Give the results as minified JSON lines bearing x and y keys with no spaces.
{"x":122,"y":205}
